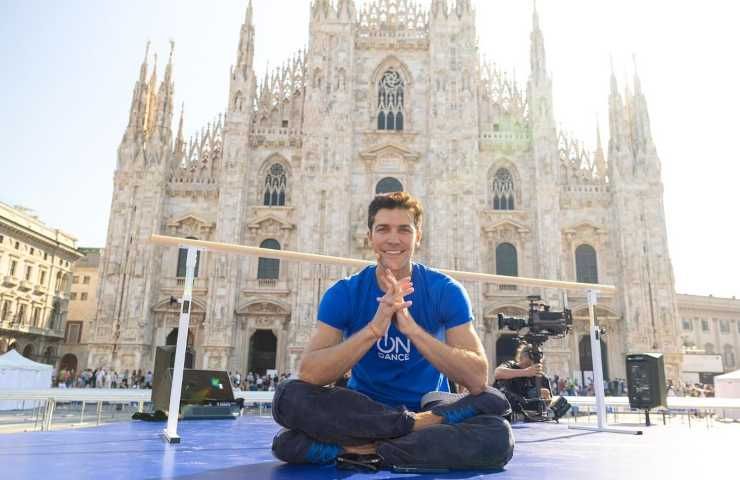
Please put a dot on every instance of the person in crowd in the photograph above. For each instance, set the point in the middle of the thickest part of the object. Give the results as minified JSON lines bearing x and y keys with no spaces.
{"x":525,"y":385}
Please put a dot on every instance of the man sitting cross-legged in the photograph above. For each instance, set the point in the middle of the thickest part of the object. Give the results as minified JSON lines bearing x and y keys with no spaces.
{"x":402,"y":329}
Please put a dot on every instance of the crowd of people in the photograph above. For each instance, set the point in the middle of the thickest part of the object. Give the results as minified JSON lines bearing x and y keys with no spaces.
{"x":108,"y":378}
{"x":618,"y":387}
{"x":103,"y":378}
{"x":690,"y":390}
{"x":253,"y":381}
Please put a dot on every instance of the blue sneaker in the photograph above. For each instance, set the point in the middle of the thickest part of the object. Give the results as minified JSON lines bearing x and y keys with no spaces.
{"x":294,"y":446}
{"x":455,"y":408}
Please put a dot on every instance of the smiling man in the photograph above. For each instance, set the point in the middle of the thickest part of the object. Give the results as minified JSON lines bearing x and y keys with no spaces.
{"x":403,"y":330}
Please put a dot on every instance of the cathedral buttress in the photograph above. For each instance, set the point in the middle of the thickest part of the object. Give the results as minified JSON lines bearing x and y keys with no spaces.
{"x":646,"y":287}
{"x":546,"y":161}
{"x":130,"y":266}
{"x":224,"y":271}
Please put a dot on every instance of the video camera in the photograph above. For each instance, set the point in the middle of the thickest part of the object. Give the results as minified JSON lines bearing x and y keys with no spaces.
{"x":542,"y":323}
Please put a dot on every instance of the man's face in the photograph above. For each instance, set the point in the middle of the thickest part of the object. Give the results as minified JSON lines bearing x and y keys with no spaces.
{"x":524,"y":360}
{"x":394,"y":238}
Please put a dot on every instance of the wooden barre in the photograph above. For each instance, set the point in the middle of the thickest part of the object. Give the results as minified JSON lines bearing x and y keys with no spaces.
{"x":352,"y":262}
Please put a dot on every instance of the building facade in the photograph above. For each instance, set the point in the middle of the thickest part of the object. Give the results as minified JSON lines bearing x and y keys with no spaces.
{"x":392,"y":96}
{"x":35,"y":265}
{"x":82,"y":308}
{"x":711,"y":325}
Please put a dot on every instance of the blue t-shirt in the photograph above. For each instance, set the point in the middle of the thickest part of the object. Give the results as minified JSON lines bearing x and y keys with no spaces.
{"x":393,"y":371}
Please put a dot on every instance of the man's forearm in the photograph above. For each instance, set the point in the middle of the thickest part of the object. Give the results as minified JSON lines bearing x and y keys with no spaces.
{"x":324,"y":366}
{"x":466,"y":367}
{"x":504,"y":373}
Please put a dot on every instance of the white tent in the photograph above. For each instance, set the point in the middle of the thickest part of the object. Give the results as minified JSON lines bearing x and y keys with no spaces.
{"x":728,"y":386}
{"x":19,"y":373}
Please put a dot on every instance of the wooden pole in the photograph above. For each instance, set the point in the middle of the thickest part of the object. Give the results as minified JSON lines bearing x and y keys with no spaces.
{"x":326,"y":259}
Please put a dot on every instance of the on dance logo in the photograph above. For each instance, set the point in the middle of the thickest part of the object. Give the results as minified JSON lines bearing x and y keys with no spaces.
{"x":393,"y":348}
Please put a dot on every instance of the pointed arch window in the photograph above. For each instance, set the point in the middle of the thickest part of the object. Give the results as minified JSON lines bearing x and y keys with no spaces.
{"x":390,"y":101}
{"x":506,"y":260}
{"x":502,"y":190}
{"x":276,"y":185}
{"x":388,"y":185}
{"x":729,"y":355}
{"x":182,"y":259}
{"x":238,"y":101}
{"x":269,"y":268}
{"x":586,"y":266}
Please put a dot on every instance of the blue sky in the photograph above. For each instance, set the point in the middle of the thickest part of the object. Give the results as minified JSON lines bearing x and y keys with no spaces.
{"x":69,"y":68}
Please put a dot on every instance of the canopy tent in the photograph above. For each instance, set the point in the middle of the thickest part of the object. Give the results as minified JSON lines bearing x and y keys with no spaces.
{"x":728,"y":386}
{"x":19,"y":373}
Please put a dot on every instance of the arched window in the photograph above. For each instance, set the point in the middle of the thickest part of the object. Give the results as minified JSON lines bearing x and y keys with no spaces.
{"x":506,"y":261}
{"x":390,"y":101}
{"x":182,"y":259}
{"x":729,"y":356}
{"x":5,"y":311}
{"x":502,"y":190}
{"x":28,"y":351}
{"x":238,"y":101}
{"x":269,"y":268}
{"x":69,"y":362}
{"x":586,"y":358}
{"x":49,"y":356}
{"x":172,"y":338}
{"x":341,"y":79}
{"x":276,"y":184}
{"x":586,"y":267}
{"x":388,"y":185}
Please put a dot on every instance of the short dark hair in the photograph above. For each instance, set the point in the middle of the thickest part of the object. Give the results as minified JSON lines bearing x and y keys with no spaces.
{"x":523,"y":348}
{"x":391,"y":201}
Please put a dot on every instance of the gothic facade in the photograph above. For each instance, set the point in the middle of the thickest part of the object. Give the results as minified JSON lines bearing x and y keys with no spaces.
{"x":391,"y":96}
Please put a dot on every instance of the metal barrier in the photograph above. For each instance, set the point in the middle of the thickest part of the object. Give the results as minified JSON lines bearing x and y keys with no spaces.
{"x":44,"y":414}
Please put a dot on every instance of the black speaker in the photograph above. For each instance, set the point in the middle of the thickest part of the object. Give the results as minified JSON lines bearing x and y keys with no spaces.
{"x":646,"y":387}
{"x":164,"y":358}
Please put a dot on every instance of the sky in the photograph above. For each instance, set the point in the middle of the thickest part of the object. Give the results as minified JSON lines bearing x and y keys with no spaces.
{"x":69,"y":69}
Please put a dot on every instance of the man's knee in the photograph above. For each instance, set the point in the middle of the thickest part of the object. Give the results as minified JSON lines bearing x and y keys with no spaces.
{"x":286,"y":401}
{"x":496,"y":434}
{"x":499,"y":403}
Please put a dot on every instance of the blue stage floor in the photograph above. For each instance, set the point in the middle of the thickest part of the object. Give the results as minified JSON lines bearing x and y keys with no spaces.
{"x":240,"y":449}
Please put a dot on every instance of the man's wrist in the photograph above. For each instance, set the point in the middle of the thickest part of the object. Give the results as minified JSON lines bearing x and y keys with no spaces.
{"x":373,"y":331}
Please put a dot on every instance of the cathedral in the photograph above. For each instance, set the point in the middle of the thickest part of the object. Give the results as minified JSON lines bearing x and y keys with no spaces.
{"x":388,"y":95}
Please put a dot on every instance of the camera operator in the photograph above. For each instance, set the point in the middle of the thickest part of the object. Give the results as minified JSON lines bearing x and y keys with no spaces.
{"x":523,"y":382}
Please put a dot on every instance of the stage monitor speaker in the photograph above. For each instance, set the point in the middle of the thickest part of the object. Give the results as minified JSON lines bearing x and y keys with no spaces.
{"x":646,"y":386}
{"x":164,"y":358}
{"x":199,"y":387}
